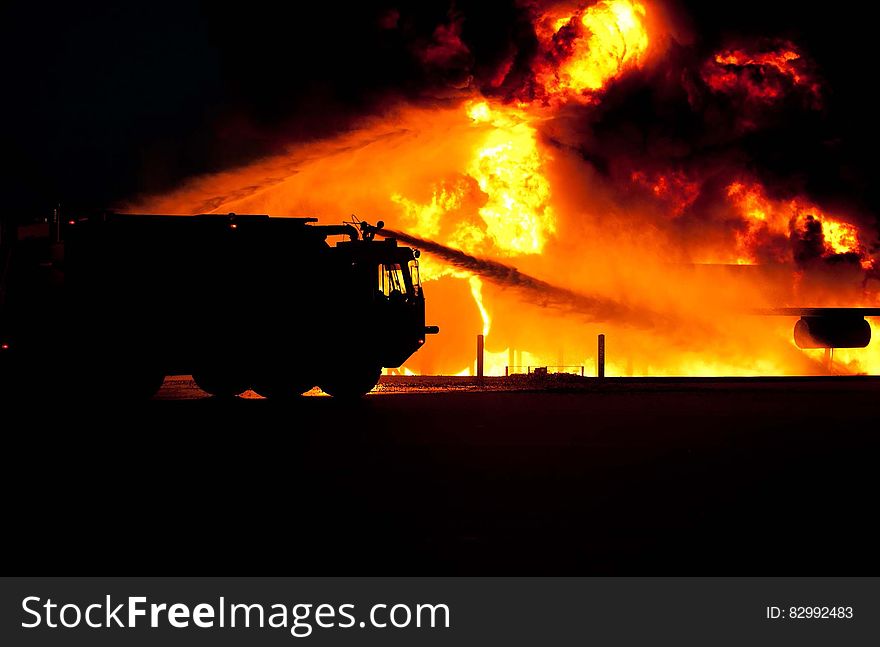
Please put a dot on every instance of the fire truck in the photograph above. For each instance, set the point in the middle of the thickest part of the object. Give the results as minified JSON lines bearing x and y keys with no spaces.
{"x":237,"y":301}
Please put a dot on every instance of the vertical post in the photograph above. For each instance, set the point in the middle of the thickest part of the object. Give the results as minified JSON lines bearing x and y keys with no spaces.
{"x":600,"y":358}
{"x":829,"y":359}
{"x":511,"y":359}
{"x":56,"y":224}
{"x":479,"y":356}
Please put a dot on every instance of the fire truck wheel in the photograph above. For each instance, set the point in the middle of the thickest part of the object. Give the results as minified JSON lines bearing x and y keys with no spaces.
{"x":221,"y":384}
{"x":140,"y":385}
{"x":352,"y":383}
{"x":114,"y":383}
{"x":129,"y":378}
{"x":280,"y":389}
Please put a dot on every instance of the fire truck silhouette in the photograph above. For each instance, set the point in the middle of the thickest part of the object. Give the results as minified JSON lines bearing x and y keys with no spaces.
{"x":237,"y":301}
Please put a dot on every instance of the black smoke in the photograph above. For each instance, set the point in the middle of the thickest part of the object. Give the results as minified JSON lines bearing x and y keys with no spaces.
{"x":103,"y":101}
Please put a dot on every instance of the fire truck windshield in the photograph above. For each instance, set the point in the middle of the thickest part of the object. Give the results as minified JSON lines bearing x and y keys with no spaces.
{"x":392,"y":279}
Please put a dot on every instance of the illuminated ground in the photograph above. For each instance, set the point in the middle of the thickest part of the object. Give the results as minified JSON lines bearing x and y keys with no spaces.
{"x":183,"y":388}
{"x":674,"y":477}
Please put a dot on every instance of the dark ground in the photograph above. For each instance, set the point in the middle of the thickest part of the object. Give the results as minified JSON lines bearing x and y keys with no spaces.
{"x":740,"y":477}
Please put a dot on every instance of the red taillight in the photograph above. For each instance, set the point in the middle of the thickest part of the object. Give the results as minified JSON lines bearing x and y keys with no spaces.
{"x":71,"y":222}
{"x":4,"y":346}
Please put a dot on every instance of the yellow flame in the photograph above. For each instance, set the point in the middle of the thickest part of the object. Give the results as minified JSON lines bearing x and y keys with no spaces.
{"x":615,"y":39}
{"x":508,"y":169}
{"x":427,"y":217}
{"x":477,"y":292}
{"x":479,"y":111}
{"x":515,"y":217}
{"x":764,"y":215}
{"x":841,"y":237}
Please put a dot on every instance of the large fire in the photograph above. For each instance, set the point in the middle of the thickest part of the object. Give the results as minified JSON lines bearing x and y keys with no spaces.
{"x":667,"y":258}
{"x":762,"y":74}
{"x":765,"y":218}
{"x":504,"y":174}
{"x":587,"y":48}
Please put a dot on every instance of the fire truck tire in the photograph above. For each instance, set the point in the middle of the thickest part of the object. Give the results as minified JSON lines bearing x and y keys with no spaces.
{"x":112,"y":385}
{"x":354,"y":383}
{"x":280,"y":389}
{"x":137,"y":385}
{"x":221,"y":384}
{"x":126,"y":379}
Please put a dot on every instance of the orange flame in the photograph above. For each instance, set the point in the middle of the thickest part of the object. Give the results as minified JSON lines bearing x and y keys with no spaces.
{"x":478,"y":176}
{"x":505,"y":169}
{"x":515,"y":216}
{"x":674,"y":189}
{"x":590,"y":47}
{"x":762,"y":76}
{"x":508,"y":169}
{"x":766,"y":217}
{"x":477,"y":292}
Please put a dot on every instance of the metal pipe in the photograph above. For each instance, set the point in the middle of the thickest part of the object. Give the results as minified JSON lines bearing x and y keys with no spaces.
{"x":600,"y":358}
{"x":338,"y":230}
{"x":479,"y":355}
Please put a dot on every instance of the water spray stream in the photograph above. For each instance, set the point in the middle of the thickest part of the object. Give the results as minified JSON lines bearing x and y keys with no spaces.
{"x":589,"y":307}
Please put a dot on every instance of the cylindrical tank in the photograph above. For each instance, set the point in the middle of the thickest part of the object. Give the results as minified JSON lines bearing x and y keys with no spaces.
{"x":832,"y":332}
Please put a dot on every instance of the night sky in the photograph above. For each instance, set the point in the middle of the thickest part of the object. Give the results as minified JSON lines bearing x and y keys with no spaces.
{"x":103,"y":101}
